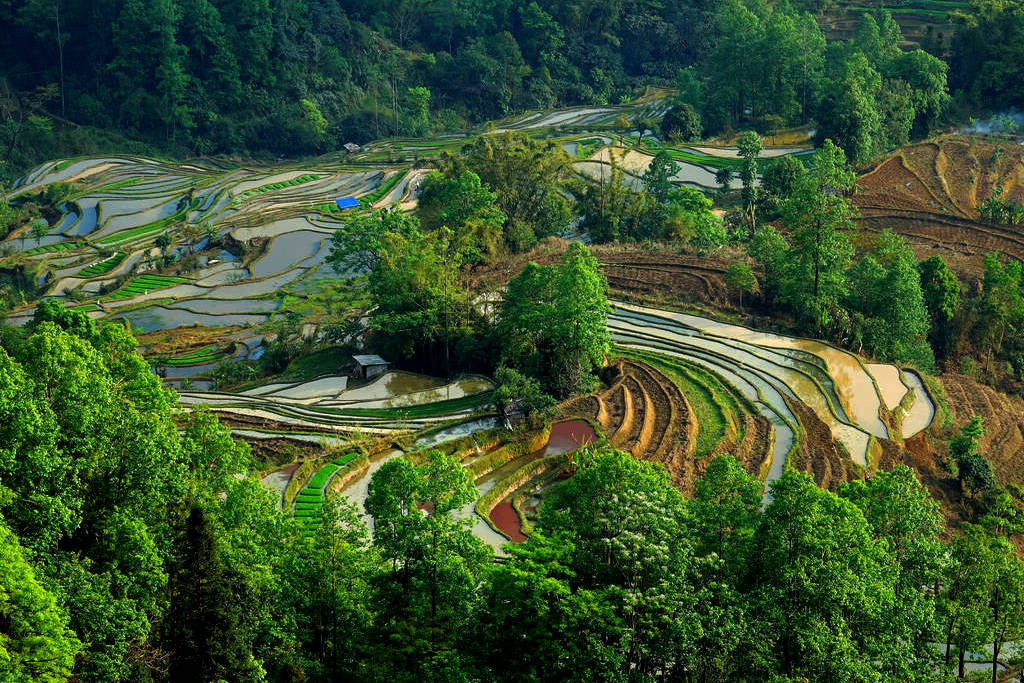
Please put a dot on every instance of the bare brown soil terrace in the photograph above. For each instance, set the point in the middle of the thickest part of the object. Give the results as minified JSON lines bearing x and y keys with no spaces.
{"x":929,"y":192}
{"x":644,"y":412}
{"x":632,"y":271}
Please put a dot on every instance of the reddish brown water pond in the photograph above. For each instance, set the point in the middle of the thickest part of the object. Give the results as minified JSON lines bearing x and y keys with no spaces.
{"x":505,"y":518}
{"x":568,"y":436}
{"x":565,"y":436}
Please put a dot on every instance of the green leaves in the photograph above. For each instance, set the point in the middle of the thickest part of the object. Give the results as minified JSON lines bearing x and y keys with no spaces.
{"x":527,"y":175}
{"x":885,"y":287}
{"x":553,"y":321}
{"x":821,"y":579}
{"x":818,"y":216}
{"x":941,"y":291}
{"x":464,"y":204}
{"x":35,"y":641}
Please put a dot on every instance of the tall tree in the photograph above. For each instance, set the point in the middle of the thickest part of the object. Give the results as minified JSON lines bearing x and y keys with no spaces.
{"x":554,"y":321}
{"x":467,"y":206}
{"x":821,"y":581}
{"x":941,"y":291}
{"x":203,"y":624}
{"x":149,"y":66}
{"x":817,"y":215}
{"x":527,"y":175}
{"x":35,"y":641}
{"x":422,"y":594}
{"x":748,"y":147}
{"x":900,"y":512}
{"x":885,"y":287}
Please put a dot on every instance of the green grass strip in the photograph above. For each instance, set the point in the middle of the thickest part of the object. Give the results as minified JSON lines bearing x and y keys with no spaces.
{"x":276,"y":186}
{"x":322,"y":476}
{"x":142,"y":285}
{"x":50,"y":248}
{"x":113,"y":186}
{"x":712,"y":401}
{"x":103,"y":267}
{"x":366,"y":200}
{"x":425,"y":410}
{"x":148,"y":228}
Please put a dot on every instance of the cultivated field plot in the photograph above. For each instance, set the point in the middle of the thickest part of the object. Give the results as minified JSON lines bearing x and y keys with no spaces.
{"x":695,"y":166}
{"x":684,"y":388}
{"x":1003,"y":439}
{"x":929,"y":192}
{"x":273,"y":221}
{"x":667,"y":410}
{"x":790,"y":382}
{"x":913,"y":16}
{"x":394,"y":402}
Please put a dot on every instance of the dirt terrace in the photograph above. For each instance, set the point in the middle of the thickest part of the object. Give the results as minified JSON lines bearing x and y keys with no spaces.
{"x":929,"y":193}
{"x":644,"y":412}
{"x":631,"y":270}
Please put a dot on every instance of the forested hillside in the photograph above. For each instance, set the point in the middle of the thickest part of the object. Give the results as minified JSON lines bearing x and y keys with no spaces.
{"x":298,"y":76}
{"x":294,"y":77}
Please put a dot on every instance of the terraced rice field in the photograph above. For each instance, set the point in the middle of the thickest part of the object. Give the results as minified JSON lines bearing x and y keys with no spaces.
{"x":207,"y":354}
{"x":913,"y":16}
{"x":794,"y":384}
{"x":645,"y":410}
{"x":143,"y":284}
{"x":309,"y":501}
{"x":127,"y":202}
{"x":1003,"y":438}
{"x":102,"y":267}
{"x":695,"y":166}
{"x":390,"y":404}
{"x":276,"y":219}
{"x":684,"y":389}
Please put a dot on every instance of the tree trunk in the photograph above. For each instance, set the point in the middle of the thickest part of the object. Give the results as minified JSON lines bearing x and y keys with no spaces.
{"x":995,"y":659}
{"x":817,"y":256}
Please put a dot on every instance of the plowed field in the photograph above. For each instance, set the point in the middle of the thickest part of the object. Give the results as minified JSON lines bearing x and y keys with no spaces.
{"x":929,"y":192}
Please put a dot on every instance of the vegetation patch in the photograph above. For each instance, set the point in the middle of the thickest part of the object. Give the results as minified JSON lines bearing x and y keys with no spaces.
{"x":128,"y":182}
{"x":426,"y":410}
{"x":148,"y":228}
{"x":143,"y":284}
{"x":52,"y":248}
{"x":104,"y":266}
{"x":309,"y":500}
{"x":276,"y":186}
{"x":715,"y":406}
{"x":201,"y":356}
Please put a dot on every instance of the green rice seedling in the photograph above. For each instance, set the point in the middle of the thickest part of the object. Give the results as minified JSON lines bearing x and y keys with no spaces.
{"x":104,"y":266}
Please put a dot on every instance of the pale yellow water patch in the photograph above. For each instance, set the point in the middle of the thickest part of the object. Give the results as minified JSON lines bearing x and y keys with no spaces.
{"x":458,"y":389}
{"x":853,"y":384}
{"x":773,"y":366}
{"x":627,"y":159}
{"x":390,"y":385}
{"x":731,"y":152}
{"x":890,"y":386}
{"x":922,"y":410}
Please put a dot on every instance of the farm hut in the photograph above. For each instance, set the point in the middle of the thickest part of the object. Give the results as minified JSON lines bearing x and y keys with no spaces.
{"x":347,"y":203}
{"x":368,"y":367}
{"x":351,"y":147}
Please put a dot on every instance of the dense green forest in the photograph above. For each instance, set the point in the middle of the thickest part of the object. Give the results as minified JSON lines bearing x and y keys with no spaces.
{"x":293,"y":77}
